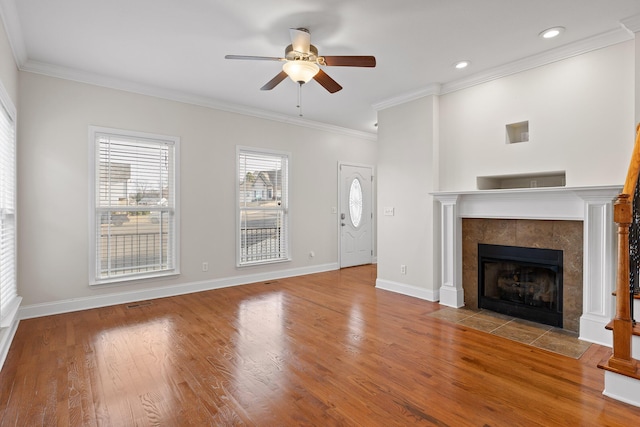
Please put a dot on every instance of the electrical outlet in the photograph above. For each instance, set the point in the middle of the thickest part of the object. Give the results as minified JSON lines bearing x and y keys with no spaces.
{"x":403,"y":269}
{"x":205,"y":266}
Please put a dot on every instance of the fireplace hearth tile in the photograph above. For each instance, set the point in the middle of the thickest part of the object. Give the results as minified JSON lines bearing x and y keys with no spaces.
{"x":526,"y":332}
{"x":522,"y":331}
{"x":483,"y":322}
{"x":563,"y":342}
{"x":453,"y":314}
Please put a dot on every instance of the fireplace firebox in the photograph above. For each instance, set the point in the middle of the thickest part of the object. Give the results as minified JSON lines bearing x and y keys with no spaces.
{"x":521,"y":282}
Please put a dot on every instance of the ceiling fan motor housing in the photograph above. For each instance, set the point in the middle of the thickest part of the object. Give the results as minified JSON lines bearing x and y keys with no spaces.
{"x":292,"y":55}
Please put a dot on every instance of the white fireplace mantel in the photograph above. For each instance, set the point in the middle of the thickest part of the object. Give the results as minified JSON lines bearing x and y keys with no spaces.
{"x":592,"y":205}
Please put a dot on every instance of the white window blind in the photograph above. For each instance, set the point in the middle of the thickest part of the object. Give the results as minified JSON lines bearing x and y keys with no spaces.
{"x":135,"y":205}
{"x":263,"y":220}
{"x":8,"y":286}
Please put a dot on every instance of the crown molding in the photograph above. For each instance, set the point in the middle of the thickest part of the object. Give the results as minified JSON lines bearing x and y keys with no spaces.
{"x":622,"y":34}
{"x":580,"y":47}
{"x":9,"y":16}
{"x":184,"y":97}
{"x":432,"y":89}
{"x":631,"y":23}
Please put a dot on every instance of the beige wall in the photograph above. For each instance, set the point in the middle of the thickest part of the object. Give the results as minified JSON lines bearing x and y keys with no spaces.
{"x":407,"y":173}
{"x":53,"y":196}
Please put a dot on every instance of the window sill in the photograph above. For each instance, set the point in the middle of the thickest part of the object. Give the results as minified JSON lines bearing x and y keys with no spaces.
{"x":258,"y":263}
{"x":126,"y":280}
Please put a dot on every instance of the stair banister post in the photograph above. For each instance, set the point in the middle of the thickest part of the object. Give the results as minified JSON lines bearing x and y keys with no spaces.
{"x":622,"y":325}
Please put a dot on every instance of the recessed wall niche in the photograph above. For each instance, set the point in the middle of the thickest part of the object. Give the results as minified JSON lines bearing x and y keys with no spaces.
{"x":517,"y":132}
{"x":529,"y":180}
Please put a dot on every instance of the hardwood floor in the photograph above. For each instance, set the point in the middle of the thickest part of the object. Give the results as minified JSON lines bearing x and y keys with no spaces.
{"x":324,"y":349}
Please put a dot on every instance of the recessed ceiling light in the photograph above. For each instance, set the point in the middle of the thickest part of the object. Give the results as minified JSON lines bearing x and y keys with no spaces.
{"x":462,"y":64}
{"x":550,"y":33}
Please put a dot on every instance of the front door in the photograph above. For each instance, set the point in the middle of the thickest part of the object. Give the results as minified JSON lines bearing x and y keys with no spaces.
{"x":355,"y":215}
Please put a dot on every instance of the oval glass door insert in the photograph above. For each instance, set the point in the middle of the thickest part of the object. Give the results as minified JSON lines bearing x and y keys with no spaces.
{"x":355,"y":202}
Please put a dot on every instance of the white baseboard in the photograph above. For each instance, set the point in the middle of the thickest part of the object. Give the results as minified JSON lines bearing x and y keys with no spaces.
{"x":409,"y":290}
{"x":451,"y":296}
{"x":592,"y":329}
{"x":85,"y":303}
{"x":622,"y":388}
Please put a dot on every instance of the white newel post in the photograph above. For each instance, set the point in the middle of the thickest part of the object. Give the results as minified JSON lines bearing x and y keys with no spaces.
{"x":451,"y":292}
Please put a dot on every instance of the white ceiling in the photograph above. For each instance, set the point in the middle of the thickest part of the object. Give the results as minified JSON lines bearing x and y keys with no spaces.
{"x":176,"y":48}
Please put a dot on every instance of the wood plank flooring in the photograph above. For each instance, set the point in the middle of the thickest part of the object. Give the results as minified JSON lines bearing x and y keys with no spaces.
{"x":318,"y":350}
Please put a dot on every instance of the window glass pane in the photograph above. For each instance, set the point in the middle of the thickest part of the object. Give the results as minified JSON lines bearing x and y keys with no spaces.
{"x":262,"y":198}
{"x":134,"y":242}
{"x":135,"y":206}
{"x":355,"y":202}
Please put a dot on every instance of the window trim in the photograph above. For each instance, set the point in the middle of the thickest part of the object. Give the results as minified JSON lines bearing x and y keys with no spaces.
{"x":94,"y":280}
{"x":286,"y":207}
{"x":8,"y":314}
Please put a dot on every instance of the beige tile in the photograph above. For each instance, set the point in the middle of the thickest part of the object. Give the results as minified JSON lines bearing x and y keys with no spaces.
{"x":532,"y":326}
{"x":535,"y":334}
{"x":521,"y":330}
{"x":562,"y":342}
{"x":482,"y":323}
{"x":492,"y":315}
{"x":452,"y":314}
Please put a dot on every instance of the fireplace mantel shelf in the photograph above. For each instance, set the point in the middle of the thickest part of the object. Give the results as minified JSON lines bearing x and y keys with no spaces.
{"x":562,"y":190}
{"x":592,"y":205}
{"x":558,"y":203}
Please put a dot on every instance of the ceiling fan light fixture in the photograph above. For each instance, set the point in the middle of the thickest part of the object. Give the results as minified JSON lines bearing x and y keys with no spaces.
{"x":301,"y":71}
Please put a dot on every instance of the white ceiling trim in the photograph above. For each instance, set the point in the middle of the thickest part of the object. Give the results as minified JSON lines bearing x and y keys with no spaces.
{"x":632,"y":23}
{"x":558,"y":54}
{"x":433,"y":89}
{"x":9,"y":15}
{"x":179,"y":96}
{"x":578,"y":48}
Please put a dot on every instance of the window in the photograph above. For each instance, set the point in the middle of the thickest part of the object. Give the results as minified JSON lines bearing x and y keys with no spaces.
{"x":263,"y":220}
{"x":134,"y":211}
{"x":9,"y":300}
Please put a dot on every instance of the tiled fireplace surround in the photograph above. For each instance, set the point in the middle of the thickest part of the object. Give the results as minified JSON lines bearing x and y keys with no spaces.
{"x":578,"y":220}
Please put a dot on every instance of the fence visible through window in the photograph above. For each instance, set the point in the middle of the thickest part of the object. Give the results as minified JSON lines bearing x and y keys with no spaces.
{"x":262,"y":206}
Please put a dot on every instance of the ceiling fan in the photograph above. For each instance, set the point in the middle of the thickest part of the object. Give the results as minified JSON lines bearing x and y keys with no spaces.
{"x":302,"y":62}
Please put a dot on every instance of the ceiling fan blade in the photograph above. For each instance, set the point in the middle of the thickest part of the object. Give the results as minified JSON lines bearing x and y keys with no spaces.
{"x":300,"y":39}
{"x":256,"y":58}
{"x":350,"y":61}
{"x":327,"y":82}
{"x":274,"y":81}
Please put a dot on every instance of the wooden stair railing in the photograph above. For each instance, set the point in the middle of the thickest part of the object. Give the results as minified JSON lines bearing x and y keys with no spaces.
{"x":621,"y":361}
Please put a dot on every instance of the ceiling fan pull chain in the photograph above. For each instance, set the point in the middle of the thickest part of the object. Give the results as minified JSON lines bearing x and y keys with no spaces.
{"x":300,"y":99}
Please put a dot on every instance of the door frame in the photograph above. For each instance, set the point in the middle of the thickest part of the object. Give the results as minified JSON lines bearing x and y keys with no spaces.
{"x":373,"y":209}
